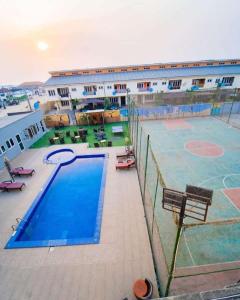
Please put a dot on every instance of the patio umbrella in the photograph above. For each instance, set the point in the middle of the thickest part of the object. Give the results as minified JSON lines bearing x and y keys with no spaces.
{"x":8,"y":167}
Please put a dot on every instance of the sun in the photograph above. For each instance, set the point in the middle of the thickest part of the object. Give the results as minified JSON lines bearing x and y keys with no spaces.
{"x":43,"y":46}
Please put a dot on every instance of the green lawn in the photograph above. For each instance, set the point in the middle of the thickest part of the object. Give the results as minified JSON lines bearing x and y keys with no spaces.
{"x":116,"y":140}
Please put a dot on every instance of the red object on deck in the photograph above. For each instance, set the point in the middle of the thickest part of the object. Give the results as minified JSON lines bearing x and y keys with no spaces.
{"x":140,"y":288}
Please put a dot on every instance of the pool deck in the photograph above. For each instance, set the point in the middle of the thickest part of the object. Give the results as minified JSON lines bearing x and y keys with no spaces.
{"x":102,"y":271}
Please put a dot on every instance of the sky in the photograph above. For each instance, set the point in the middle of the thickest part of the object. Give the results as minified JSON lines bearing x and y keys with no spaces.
{"x":95,"y":33}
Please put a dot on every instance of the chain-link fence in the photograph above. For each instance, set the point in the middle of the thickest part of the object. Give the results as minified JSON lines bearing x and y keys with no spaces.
{"x":229,"y":112}
{"x":173,"y":246}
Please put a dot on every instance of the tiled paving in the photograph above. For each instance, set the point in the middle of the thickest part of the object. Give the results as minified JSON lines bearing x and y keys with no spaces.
{"x":103,"y":271}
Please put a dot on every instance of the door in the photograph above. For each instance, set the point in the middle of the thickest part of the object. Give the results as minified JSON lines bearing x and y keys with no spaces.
{"x":123,"y":100}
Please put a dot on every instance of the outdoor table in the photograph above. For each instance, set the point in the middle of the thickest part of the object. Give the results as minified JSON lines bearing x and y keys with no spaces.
{"x":103,"y":142}
{"x":117,"y":129}
{"x":56,"y":139}
{"x":77,"y":137}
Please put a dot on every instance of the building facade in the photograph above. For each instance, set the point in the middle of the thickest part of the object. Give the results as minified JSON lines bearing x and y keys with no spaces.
{"x":18,"y":132}
{"x":143,"y":81}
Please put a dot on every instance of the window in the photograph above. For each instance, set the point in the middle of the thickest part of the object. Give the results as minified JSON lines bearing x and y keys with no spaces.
{"x":164,"y":83}
{"x":209,"y":80}
{"x":41,"y":123}
{"x":90,"y":89}
{"x":20,"y":143}
{"x":184,"y":66}
{"x":8,"y":144}
{"x":51,"y":92}
{"x":173,"y":66}
{"x":154,"y":83}
{"x":65,"y":103}
{"x":109,"y":87}
{"x":233,"y":62}
{"x":114,"y":100}
{"x":227,"y":81}
{"x":111,"y":71}
{"x":123,"y":70}
{"x":63,"y":92}
{"x":74,"y":89}
{"x":3,"y":149}
{"x":85,"y":72}
{"x":135,"y":69}
{"x":98,"y":71}
{"x":37,"y":126}
{"x":161,"y":67}
{"x":209,"y":64}
{"x":143,"y":85}
{"x":120,"y":87}
{"x":146,"y":68}
{"x":74,"y":73}
{"x":174,"y":84}
{"x":11,"y":142}
{"x":100,"y":87}
{"x":217,"y":80}
{"x":222,"y":63}
{"x":198,"y":82}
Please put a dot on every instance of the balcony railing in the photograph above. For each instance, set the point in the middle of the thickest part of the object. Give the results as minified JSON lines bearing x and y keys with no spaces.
{"x":64,"y":97}
{"x":171,"y":87}
{"x":89,"y":93}
{"x":145,"y":89}
{"x":222,"y":84}
{"x":120,"y":91}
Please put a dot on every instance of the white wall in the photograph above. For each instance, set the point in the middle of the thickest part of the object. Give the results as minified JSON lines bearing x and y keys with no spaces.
{"x":132,"y":85}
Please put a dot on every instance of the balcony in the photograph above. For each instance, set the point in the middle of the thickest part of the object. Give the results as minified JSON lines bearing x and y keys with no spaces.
{"x":119,"y":91}
{"x":171,"y":87}
{"x":64,"y":97}
{"x":145,"y":89}
{"x":89,"y":93}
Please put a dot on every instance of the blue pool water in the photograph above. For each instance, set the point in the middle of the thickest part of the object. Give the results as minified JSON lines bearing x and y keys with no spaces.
{"x":68,"y":211}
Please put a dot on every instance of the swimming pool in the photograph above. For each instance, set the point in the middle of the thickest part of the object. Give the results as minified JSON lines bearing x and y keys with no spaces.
{"x":68,"y":210}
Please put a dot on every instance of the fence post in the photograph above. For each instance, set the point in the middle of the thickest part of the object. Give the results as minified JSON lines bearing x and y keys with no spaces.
{"x":154,"y":204}
{"x":145,"y":171}
{"x":140,"y":144}
{"x":170,"y":276}
{"x":136,"y":148}
{"x":230,"y":112}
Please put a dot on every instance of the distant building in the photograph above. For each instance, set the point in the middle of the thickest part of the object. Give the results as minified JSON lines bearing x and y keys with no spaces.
{"x":18,"y":132}
{"x":142,"y":81}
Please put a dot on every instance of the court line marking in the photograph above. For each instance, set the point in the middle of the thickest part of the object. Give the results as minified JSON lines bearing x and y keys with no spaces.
{"x":204,"y":156}
{"x":212,"y":264}
{"x":189,"y":251}
{"x":229,"y":199}
{"x":226,"y":176}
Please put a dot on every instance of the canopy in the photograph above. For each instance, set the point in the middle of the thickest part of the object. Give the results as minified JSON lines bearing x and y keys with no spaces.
{"x":93,"y":101}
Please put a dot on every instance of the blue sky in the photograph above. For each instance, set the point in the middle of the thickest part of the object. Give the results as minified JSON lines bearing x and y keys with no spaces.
{"x":108,"y":32}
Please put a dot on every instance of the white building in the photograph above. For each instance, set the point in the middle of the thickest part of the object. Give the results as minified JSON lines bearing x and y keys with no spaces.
{"x":143,"y":81}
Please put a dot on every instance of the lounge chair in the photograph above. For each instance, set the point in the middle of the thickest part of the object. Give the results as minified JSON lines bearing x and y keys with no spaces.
{"x":126,"y":154}
{"x":125,"y":164}
{"x":20,"y":171}
{"x":62,"y":141}
{"x":10,"y":186}
{"x":73,"y":139}
{"x":96,"y":145}
{"x":51,"y":141}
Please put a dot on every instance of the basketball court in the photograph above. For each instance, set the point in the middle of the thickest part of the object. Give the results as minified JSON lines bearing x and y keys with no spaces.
{"x":203,"y":152}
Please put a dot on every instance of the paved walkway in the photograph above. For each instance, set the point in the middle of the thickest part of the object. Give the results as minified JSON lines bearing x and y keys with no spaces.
{"x":103,"y":271}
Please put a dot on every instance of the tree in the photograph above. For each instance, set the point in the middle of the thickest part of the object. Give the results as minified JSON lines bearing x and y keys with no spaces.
{"x":217,"y":95}
{"x":190,"y":96}
{"x":107,"y":103}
